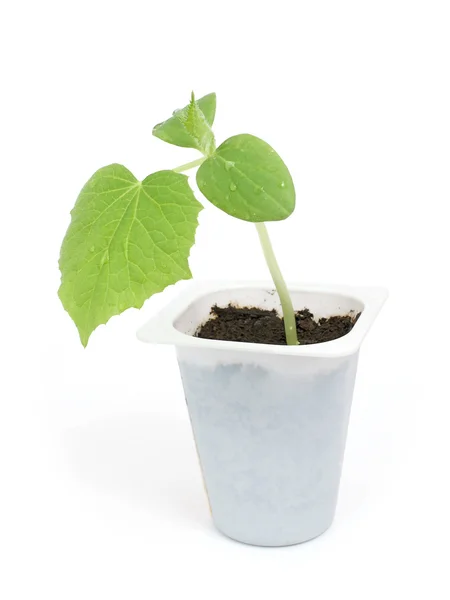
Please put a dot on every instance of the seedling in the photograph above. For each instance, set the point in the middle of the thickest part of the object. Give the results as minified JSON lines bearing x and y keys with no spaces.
{"x":130,"y":239}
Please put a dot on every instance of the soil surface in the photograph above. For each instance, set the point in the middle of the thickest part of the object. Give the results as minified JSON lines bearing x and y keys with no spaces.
{"x":247,"y":324}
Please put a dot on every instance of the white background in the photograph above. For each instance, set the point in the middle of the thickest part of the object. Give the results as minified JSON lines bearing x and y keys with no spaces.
{"x":101,"y":493}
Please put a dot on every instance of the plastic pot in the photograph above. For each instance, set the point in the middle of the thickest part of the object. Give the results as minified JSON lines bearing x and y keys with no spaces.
{"x":269,"y":422}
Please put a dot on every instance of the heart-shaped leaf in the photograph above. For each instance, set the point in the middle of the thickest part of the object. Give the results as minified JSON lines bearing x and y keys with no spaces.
{"x":247,"y":179}
{"x":127,"y":241}
{"x":190,"y":127}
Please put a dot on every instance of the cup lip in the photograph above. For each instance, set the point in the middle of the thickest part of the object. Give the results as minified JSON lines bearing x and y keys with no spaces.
{"x":160,"y":328}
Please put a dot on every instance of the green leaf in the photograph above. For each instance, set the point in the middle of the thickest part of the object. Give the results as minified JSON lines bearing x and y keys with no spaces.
{"x":247,"y":179}
{"x":207,"y":105}
{"x":190,"y":127}
{"x":127,"y":241}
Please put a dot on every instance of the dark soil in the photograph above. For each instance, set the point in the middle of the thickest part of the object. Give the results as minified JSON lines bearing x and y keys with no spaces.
{"x":236,"y":324}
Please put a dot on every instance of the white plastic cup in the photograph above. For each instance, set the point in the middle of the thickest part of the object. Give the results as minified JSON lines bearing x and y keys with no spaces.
{"x":270,"y":422}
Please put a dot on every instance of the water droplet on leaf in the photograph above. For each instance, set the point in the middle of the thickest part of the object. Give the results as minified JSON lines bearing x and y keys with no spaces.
{"x":105,"y":260}
{"x":232,"y":187}
{"x":91,"y":249}
{"x":229,"y":164}
{"x":282,"y":184}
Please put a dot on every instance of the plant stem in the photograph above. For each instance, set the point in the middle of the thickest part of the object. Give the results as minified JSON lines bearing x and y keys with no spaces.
{"x":189,"y":165}
{"x":290,"y":326}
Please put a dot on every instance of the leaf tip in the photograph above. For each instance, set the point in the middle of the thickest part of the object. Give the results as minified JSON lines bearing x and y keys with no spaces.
{"x":84,"y":338}
{"x":156,"y":130}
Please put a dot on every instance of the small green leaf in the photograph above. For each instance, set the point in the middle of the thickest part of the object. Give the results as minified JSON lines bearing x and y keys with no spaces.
{"x":127,"y":241}
{"x":207,"y":105}
{"x":247,"y":179}
{"x":190,"y":127}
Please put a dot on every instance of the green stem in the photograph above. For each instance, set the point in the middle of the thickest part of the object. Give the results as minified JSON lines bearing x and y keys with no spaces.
{"x":189,"y":165}
{"x":290,"y":326}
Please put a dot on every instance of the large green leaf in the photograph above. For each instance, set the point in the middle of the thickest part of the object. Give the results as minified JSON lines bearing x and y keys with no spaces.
{"x":247,"y":179}
{"x":127,"y":240}
{"x":190,"y":127}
